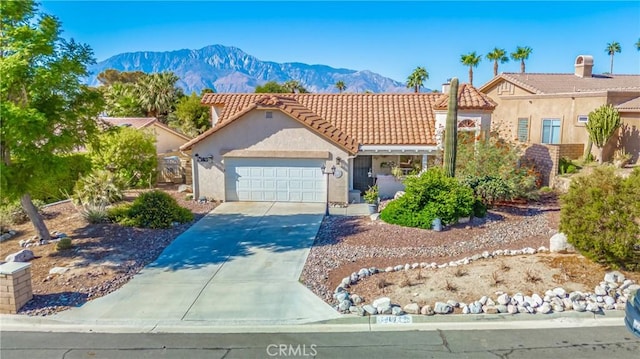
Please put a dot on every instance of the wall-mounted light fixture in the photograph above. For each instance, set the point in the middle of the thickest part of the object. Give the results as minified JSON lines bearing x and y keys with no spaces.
{"x":199,"y":158}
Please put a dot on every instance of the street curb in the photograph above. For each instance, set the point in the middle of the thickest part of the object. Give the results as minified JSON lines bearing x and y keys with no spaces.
{"x":17,"y":323}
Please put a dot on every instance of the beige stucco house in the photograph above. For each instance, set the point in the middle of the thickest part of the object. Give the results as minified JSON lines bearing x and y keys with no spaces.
{"x":167,"y":139}
{"x":541,"y":108}
{"x":319,"y":147}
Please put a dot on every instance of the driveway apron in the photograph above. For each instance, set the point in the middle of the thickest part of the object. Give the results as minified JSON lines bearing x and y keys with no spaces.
{"x":240,"y":264}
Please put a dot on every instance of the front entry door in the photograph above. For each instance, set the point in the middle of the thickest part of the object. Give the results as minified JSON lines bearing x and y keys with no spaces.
{"x":362,"y":166}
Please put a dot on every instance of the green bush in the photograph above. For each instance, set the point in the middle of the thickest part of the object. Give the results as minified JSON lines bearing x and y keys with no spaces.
{"x":490,"y":189}
{"x":600,"y":215}
{"x":428,"y":196}
{"x":479,"y":208}
{"x":59,"y":177}
{"x":129,"y":153}
{"x":566,"y":166}
{"x":12,"y":213}
{"x":64,"y":244}
{"x":153,"y":209}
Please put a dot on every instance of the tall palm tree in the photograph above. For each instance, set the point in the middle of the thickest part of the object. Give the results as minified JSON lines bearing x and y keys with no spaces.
{"x":294,"y":86}
{"x":417,"y":78}
{"x":638,"y":44}
{"x":340,"y":86}
{"x":472,"y":60}
{"x":521,"y":54}
{"x":611,"y":49}
{"x":158,"y":93}
{"x":497,"y":55}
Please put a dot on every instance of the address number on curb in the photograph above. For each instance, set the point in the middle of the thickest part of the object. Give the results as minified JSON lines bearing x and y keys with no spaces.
{"x":392,"y":319}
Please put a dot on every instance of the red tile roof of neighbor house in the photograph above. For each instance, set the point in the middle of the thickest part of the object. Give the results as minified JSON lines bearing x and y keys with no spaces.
{"x":469,"y":98}
{"x":351,"y":119}
{"x":140,"y":122}
{"x":542,"y":83}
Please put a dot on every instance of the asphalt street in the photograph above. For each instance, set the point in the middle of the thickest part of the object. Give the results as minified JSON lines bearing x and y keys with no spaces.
{"x":585,"y":343}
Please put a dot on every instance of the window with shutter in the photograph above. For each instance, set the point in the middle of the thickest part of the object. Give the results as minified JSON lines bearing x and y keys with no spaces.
{"x":523,"y":129}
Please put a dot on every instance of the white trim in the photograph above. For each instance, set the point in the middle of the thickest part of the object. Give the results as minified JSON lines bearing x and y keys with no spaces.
{"x":399,"y":149}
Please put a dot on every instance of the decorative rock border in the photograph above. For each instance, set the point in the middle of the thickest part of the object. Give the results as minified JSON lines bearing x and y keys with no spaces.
{"x":611,"y":294}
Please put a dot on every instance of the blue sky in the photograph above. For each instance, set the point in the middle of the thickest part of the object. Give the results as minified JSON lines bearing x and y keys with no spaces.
{"x":390,"y":38}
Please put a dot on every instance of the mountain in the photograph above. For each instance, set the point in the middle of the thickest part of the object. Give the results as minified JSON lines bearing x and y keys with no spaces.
{"x":229,"y":69}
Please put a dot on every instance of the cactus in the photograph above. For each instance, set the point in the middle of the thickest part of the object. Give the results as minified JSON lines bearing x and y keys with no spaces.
{"x":602,"y":124}
{"x":451,"y":130}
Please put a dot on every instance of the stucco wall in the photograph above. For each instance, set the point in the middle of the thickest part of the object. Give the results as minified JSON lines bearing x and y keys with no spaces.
{"x":255,"y":132}
{"x":630,"y":134}
{"x":167,"y":141}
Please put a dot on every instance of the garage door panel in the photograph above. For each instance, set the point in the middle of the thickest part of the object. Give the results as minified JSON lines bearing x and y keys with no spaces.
{"x":286,"y":180}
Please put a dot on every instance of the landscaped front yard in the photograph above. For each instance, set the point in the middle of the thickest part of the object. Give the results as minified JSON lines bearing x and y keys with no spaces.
{"x":103,"y":258}
{"x":345,"y":245}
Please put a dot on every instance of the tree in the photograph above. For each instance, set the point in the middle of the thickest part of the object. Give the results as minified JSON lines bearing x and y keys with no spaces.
{"x":472,"y":60}
{"x":497,"y":55}
{"x":271,"y":87}
{"x":45,"y":109}
{"x":611,"y":49}
{"x":127,"y":152}
{"x":638,"y":44}
{"x":190,"y":117}
{"x":417,"y":78}
{"x":122,"y":100}
{"x":158,"y":94}
{"x":521,"y":54}
{"x":110,"y":76}
{"x":602,"y":123}
{"x":294,"y":86}
{"x":341,"y":86}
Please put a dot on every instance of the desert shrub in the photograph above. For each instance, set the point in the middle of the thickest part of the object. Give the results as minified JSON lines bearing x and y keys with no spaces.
{"x":153,"y":209}
{"x":94,"y":213}
{"x":498,"y":168}
{"x":64,"y":244}
{"x":490,"y":189}
{"x":600,"y":215}
{"x":428,"y":196}
{"x":129,"y":153}
{"x":12,"y":213}
{"x":98,"y":187}
{"x":566,"y":166}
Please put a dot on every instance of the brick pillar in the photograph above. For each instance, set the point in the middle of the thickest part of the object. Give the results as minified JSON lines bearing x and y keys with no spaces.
{"x":15,"y":286}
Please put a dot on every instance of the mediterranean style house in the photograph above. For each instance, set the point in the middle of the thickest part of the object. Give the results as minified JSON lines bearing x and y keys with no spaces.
{"x":167,"y":139}
{"x":321,"y":147}
{"x":552,"y":109}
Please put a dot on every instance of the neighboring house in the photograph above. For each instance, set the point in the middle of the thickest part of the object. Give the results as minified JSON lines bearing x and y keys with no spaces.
{"x":273,"y":147}
{"x":539,"y":108}
{"x":167,"y":139}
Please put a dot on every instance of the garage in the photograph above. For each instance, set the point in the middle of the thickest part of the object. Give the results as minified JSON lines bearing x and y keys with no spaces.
{"x":274,"y":180}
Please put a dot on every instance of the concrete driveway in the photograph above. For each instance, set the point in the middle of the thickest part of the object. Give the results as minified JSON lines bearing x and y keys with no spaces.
{"x":238,"y":265}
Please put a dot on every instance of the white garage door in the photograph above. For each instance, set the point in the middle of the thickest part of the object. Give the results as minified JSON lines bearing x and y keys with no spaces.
{"x":279,"y":180}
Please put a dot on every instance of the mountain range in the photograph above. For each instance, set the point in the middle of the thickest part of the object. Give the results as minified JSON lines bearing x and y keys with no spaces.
{"x":229,"y":69}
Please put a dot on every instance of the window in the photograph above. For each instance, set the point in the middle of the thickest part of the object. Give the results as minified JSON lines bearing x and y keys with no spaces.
{"x":550,"y":131}
{"x":583,"y":118}
{"x":523,"y":129}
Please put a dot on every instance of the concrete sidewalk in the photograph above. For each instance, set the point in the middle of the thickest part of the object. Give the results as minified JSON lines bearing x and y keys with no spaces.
{"x":239,"y":265}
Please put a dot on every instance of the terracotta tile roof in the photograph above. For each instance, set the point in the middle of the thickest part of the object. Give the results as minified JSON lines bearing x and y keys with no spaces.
{"x":135,"y":122}
{"x":140,"y":122}
{"x":469,"y":98}
{"x":633,"y":104}
{"x":368,"y":119}
{"x":541,"y":83}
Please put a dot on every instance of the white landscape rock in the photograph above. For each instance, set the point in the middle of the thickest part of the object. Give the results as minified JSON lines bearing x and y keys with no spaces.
{"x":442,"y":308}
{"x":614,"y":277}
{"x":412,"y":308}
{"x":24,"y":255}
{"x":58,"y":270}
{"x":381,"y":302}
{"x":559,"y":244}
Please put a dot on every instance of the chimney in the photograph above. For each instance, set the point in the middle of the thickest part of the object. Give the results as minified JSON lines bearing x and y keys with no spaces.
{"x":584,"y":65}
{"x":445,"y":86}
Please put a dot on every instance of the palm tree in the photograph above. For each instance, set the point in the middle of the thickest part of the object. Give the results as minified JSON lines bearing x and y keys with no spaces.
{"x":158,"y":93}
{"x":417,"y":78}
{"x":341,"y":86}
{"x":497,"y":55}
{"x":294,"y":86}
{"x":611,"y":49}
{"x":638,"y":44}
{"x":472,"y":60}
{"x":521,"y":54}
